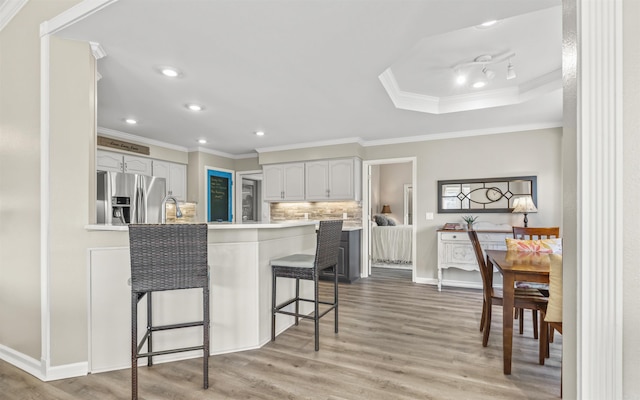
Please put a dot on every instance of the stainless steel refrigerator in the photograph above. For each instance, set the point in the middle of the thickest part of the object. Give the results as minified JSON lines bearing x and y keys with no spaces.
{"x":129,"y":198}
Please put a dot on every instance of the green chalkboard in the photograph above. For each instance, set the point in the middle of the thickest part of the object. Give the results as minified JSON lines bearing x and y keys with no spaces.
{"x":219,"y":198}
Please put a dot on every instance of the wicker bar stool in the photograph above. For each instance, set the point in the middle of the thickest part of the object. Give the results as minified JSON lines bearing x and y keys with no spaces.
{"x":309,"y":267}
{"x":167,"y":257}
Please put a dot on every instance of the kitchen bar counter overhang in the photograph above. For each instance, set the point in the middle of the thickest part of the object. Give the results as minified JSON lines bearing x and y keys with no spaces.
{"x":240,"y":283}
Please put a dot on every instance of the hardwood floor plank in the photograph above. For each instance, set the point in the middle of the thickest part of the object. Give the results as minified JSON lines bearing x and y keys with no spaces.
{"x":397,"y":340}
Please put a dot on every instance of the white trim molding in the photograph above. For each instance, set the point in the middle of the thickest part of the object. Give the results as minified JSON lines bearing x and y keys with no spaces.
{"x":8,"y":10}
{"x":600,"y":190}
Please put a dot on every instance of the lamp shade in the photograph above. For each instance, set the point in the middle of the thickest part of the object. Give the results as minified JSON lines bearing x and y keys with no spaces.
{"x":524,"y":205}
{"x":386,"y":209}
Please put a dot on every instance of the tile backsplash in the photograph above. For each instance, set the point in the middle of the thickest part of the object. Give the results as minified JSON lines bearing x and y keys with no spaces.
{"x":188,"y":213}
{"x":318,"y":211}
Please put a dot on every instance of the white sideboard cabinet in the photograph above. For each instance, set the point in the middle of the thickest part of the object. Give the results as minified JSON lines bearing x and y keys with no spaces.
{"x":455,"y":250}
{"x":111,"y":161}
{"x":333,"y":179}
{"x":282,"y":182}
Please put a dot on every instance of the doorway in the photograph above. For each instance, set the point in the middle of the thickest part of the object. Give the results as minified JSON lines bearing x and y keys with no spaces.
{"x":249,"y":205}
{"x":393,"y":195}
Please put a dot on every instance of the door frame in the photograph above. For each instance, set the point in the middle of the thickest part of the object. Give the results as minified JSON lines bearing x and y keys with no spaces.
{"x":237,"y":216}
{"x":365,"y":270}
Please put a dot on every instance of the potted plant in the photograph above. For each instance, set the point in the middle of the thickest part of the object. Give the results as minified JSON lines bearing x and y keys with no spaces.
{"x":469,"y":219}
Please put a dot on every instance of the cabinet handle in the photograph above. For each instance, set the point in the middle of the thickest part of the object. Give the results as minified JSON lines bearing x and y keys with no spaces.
{"x":454,"y":236}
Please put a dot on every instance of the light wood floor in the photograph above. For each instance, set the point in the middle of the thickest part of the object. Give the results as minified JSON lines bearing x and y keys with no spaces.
{"x":397,"y":340}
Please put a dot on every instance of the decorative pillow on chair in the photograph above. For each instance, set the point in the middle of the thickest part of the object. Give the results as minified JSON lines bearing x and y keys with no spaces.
{"x":391,"y":222}
{"x":539,"y":246}
{"x":554,"y":308}
{"x":381,"y":220}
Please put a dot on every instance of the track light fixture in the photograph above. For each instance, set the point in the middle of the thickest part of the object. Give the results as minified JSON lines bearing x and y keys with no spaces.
{"x":511,"y":73}
{"x":465,"y":70}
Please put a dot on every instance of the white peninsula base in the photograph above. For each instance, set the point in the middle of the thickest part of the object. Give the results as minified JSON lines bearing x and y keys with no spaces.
{"x":239,"y":257}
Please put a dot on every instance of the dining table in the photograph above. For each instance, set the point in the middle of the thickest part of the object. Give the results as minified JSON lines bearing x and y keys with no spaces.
{"x":515,"y":266}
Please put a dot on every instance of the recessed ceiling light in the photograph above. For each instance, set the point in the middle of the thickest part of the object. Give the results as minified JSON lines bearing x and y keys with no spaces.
{"x":487,"y":24}
{"x":259,"y":133}
{"x":202,"y":141}
{"x":130,"y":121}
{"x":479,"y":84}
{"x":461,"y":79}
{"x":195,"y":107}
{"x":169,"y":72}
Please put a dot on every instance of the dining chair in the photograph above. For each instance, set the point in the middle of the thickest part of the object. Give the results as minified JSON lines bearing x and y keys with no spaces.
{"x":533,"y":233}
{"x":309,"y":267}
{"x":167,"y":257}
{"x":530,"y":299}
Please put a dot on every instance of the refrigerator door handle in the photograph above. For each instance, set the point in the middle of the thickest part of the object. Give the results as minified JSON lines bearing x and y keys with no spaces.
{"x":140,"y":218}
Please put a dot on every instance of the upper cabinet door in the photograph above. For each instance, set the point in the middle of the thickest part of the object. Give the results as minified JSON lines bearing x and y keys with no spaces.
{"x":108,"y":161}
{"x":282,"y":182}
{"x":178,"y":181}
{"x":317,"y":180}
{"x":341,"y":179}
{"x":294,"y":181}
{"x":273,"y":182}
{"x":137,"y":165}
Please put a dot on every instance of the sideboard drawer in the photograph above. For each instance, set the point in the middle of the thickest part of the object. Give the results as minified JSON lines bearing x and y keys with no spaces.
{"x":454,"y":236}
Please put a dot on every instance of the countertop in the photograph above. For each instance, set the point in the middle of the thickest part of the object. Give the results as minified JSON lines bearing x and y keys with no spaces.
{"x":215,"y":225}
{"x":231,"y":225}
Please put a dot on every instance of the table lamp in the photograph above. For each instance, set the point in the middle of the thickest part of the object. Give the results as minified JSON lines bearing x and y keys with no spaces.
{"x":524,"y":205}
{"x":386,"y":209}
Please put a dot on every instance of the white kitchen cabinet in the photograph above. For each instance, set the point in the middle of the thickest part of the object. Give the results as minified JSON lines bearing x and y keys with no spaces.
{"x":332,"y":179}
{"x":137,"y":165}
{"x":282,"y":182}
{"x":175,"y":175}
{"x":110,"y":161}
{"x":455,"y":249}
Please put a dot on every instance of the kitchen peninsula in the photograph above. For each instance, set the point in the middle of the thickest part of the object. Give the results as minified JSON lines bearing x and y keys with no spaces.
{"x":240,"y":276}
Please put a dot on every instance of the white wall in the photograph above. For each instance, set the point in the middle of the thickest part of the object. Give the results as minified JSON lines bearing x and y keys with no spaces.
{"x":535,"y":152}
{"x":20,"y":311}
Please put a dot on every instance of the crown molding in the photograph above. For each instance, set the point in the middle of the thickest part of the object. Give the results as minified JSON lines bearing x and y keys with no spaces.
{"x":73,"y":15}
{"x":8,"y":10}
{"x":467,"y":133}
{"x":311,"y":144}
{"x":97,"y":50}
{"x":472,"y":101}
{"x":223,"y":154}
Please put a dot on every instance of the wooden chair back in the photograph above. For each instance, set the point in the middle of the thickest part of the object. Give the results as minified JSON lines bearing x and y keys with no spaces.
{"x":536,"y":233}
{"x":485,"y":274}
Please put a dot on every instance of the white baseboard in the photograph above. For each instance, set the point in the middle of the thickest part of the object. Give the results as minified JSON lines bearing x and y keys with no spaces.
{"x":451,"y":283}
{"x":24,"y":362}
{"x":67,"y":371}
{"x":38,"y":368}
{"x":426,"y":281}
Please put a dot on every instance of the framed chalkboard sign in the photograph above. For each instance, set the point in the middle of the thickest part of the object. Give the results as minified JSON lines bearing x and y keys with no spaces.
{"x":219,"y":196}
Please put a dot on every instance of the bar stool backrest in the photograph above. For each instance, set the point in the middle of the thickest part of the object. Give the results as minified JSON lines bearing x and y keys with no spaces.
{"x":328,"y":244}
{"x":168,"y":256}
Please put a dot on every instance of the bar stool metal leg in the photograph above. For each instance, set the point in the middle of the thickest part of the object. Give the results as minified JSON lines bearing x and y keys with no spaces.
{"x":273,"y":307}
{"x":335,"y":296}
{"x":297,"y":299}
{"x":149,"y":331}
{"x":134,"y":346}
